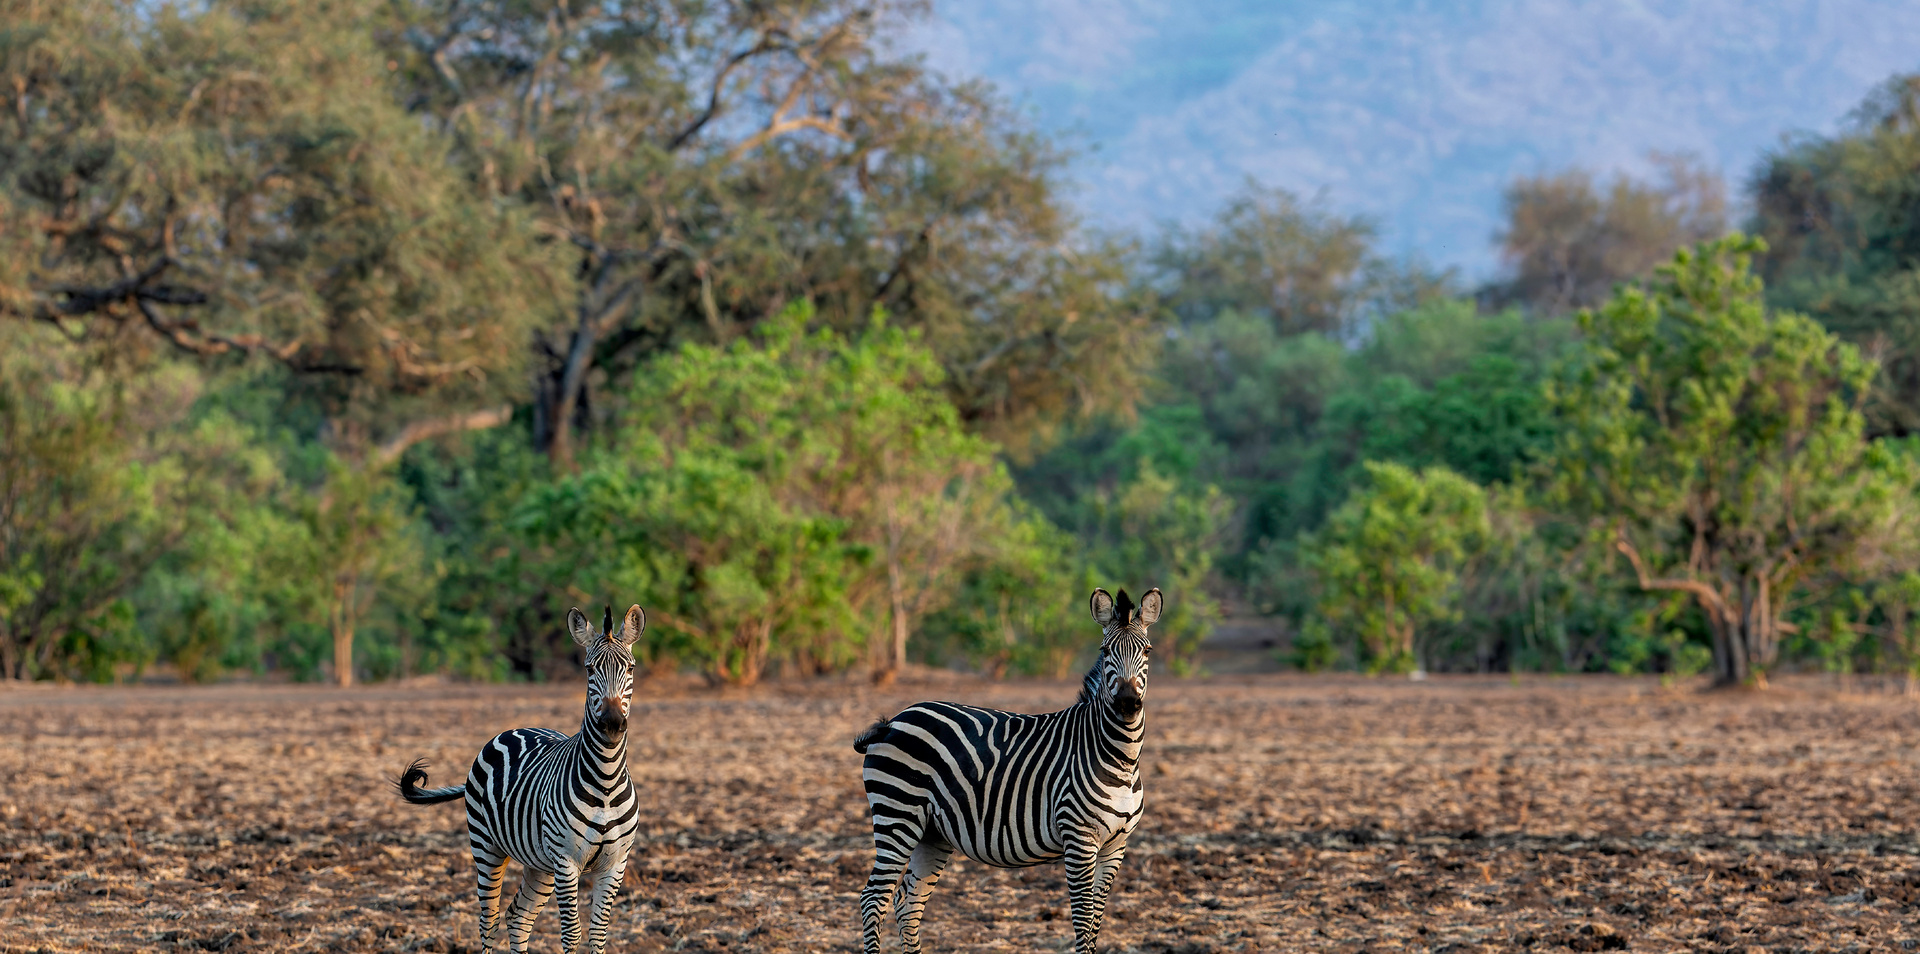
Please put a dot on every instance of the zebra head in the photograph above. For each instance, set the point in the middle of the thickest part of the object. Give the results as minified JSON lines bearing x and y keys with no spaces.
{"x":609,"y":659}
{"x":1124,"y":649}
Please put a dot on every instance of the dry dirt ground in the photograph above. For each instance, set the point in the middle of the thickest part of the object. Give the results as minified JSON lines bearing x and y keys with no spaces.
{"x":1283,"y":813}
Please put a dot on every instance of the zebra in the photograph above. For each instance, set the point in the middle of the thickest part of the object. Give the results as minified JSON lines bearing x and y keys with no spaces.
{"x":563,"y":806}
{"x":1013,"y":790}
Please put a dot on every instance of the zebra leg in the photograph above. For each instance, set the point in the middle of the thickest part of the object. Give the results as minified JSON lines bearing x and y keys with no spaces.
{"x":566,"y":889}
{"x":491,"y":869}
{"x":1090,"y":871}
{"x":535,"y":888}
{"x":923,"y":869}
{"x":1106,"y":865}
{"x":601,"y":904}
{"x":894,"y":841}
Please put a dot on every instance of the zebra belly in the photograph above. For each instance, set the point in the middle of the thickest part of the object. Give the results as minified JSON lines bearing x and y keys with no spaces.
{"x":1003,"y":835}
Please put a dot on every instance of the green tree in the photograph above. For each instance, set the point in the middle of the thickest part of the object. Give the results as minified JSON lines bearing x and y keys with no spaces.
{"x":1153,"y":531}
{"x":1841,"y":219}
{"x":1017,"y":606}
{"x":1893,"y":604}
{"x":800,"y":495}
{"x":83,"y":513}
{"x":735,"y":576}
{"x":1388,"y":562}
{"x":104,"y":478}
{"x":1719,"y":448}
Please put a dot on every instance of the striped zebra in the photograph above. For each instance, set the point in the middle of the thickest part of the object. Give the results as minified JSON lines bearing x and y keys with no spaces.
{"x":1012,"y":790}
{"x":563,"y":806}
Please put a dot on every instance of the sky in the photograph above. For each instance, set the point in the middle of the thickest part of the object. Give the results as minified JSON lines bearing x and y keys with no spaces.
{"x":1412,"y":113}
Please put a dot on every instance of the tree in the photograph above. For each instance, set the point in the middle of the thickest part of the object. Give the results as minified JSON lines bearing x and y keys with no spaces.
{"x":1294,"y":265}
{"x":1841,"y":218}
{"x":1017,"y":606}
{"x":1154,"y":532}
{"x":82,"y":514}
{"x":1892,"y":605}
{"x":103,"y":478}
{"x":705,"y":164}
{"x":1568,"y":244}
{"x":238,"y":180}
{"x":1718,"y":447}
{"x":800,"y":495}
{"x":1387,"y":564}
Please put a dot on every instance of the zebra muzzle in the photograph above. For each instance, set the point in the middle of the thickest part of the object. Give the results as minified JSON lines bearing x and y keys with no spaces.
{"x":613,"y":713}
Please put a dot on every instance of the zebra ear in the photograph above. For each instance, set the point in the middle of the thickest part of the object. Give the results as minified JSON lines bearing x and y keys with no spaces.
{"x":581,"y":629}
{"x":636,"y":623}
{"x":1102,"y":605}
{"x":1150,"y":607}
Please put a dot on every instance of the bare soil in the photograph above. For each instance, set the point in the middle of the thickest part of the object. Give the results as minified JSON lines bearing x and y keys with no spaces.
{"x":1283,"y":813}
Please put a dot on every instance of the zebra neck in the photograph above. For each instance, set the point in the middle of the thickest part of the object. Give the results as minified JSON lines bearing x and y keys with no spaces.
{"x":604,"y":749}
{"x":1103,"y":732}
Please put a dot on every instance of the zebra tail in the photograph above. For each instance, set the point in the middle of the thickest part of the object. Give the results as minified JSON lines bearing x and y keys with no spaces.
{"x":872,"y":735}
{"x":409,"y":786}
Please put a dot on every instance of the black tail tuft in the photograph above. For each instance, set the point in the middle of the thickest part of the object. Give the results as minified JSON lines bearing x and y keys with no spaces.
{"x":872,"y":735}
{"x":408,"y":785}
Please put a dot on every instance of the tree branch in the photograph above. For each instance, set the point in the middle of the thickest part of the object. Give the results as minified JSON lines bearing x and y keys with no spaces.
{"x":83,"y":301}
{"x":419,"y":431}
{"x":781,"y":128}
{"x":140,"y":291}
{"x":1709,"y":599}
{"x":713,"y":97}
{"x":185,"y":334}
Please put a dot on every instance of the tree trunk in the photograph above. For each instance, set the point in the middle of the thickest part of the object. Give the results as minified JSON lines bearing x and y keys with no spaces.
{"x":567,"y":400}
{"x":1744,"y":625}
{"x":1745,"y":639}
{"x":342,"y":620}
{"x":1008,"y":638}
{"x":754,"y":639}
{"x":896,"y":595}
{"x":898,"y":610}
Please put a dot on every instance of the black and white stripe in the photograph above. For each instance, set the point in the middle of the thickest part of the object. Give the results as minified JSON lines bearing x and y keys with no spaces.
{"x":1012,"y":790}
{"x":563,"y":806}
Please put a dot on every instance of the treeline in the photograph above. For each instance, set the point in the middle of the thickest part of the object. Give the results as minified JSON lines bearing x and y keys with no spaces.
{"x":361,"y":339}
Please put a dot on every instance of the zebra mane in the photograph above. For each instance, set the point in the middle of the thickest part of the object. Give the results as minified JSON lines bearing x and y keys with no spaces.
{"x":1090,"y":683}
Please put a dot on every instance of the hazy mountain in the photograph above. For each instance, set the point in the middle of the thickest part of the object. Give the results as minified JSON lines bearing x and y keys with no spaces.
{"x":1413,"y":112}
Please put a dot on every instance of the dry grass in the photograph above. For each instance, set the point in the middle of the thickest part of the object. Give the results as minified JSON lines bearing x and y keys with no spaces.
{"x":1282,"y":814}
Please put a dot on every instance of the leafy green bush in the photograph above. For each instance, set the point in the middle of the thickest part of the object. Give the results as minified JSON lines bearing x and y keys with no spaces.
{"x":801,"y":496}
{"x":1388,"y":561}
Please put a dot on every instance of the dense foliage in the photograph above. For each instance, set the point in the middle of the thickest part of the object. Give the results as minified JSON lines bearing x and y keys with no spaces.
{"x":361,"y":339}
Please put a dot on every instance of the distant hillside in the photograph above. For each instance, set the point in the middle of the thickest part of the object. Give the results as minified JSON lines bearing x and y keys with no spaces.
{"x":1413,"y":112}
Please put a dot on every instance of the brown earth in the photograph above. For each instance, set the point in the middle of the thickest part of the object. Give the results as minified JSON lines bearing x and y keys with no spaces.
{"x":1283,"y":813}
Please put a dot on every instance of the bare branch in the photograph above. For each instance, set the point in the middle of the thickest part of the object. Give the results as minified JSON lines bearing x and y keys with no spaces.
{"x":713,"y":97}
{"x":781,"y":128}
{"x":419,"y":431}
